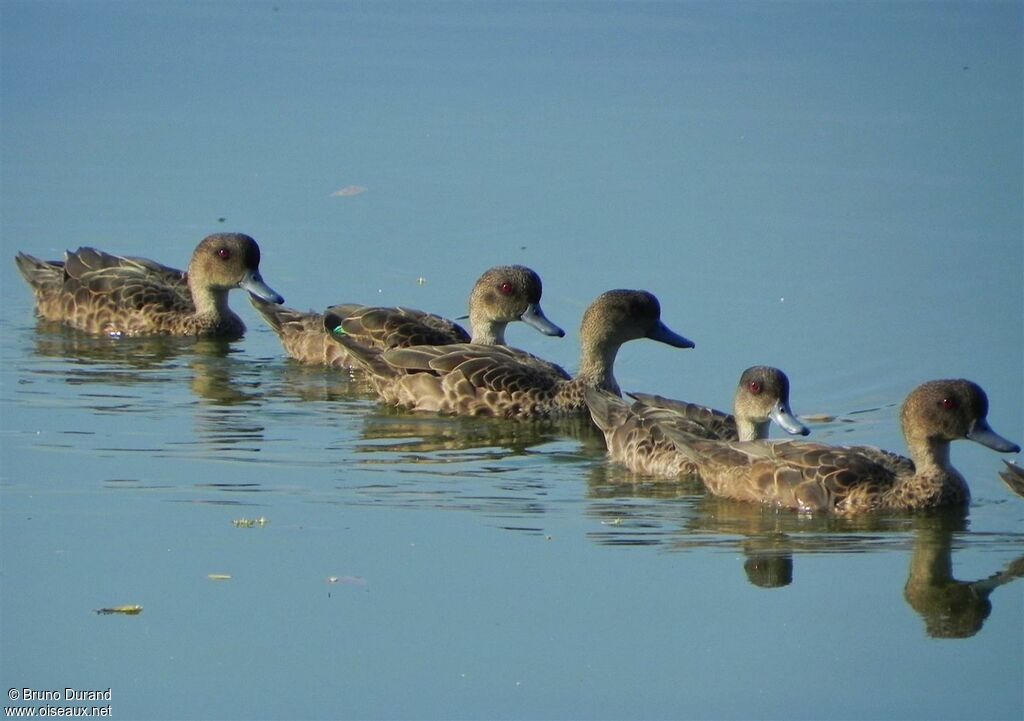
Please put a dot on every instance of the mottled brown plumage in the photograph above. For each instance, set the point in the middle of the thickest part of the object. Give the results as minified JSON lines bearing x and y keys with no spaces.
{"x":122,"y":296}
{"x":814,"y":477}
{"x":473,"y":379}
{"x":502,"y":295}
{"x":641,"y":435}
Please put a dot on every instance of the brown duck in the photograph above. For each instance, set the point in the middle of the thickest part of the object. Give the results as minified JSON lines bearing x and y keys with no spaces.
{"x":121,"y":296}
{"x":502,"y":295}
{"x":473,"y":379}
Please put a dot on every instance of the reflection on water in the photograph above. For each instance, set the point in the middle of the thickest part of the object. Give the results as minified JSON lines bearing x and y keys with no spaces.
{"x":512,"y":532}
{"x":126,"y":362}
{"x":299,"y":384}
{"x":518,"y":475}
{"x":950,"y":608}
{"x":438,"y":439}
{"x":132,"y":375}
{"x":54,"y":340}
{"x":497,"y":468}
{"x":769,"y":539}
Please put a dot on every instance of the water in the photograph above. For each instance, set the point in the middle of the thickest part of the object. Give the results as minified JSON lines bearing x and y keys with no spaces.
{"x":831,"y":188}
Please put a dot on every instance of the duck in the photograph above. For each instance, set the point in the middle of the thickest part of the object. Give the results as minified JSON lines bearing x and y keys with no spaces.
{"x":113,"y":295}
{"x":816,"y":478}
{"x":640,"y":435}
{"x":480,"y":380}
{"x":502,"y":295}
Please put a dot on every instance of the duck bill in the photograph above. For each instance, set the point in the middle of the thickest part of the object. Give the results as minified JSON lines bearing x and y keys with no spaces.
{"x":534,"y":317}
{"x":983,"y":434}
{"x":253,"y":283}
{"x":784,"y":419}
{"x":663,"y":334}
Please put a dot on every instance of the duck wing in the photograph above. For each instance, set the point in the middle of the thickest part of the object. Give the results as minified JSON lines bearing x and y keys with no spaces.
{"x":640,"y":437}
{"x":86,"y":263}
{"x":305,"y":337}
{"x":487,"y":367}
{"x":688,"y":418}
{"x":398,"y":327}
{"x":804,"y":476}
{"x":101,"y":279}
{"x":471,"y":379}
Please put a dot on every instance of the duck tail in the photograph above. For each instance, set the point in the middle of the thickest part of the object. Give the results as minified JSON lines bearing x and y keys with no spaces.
{"x":607,"y":409}
{"x":40,"y":274}
{"x":1013,"y":477}
{"x":369,"y":359}
{"x":276,"y":316}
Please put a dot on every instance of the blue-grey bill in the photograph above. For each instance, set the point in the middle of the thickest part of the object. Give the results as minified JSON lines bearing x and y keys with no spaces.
{"x":785,"y":419}
{"x":663,"y":334}
{"x":253,"y":283}
{"x":983,"y":434}
{"x":534,"y":317}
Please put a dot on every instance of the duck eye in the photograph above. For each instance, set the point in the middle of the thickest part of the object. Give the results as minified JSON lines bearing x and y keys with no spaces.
{"x":223,"y":253}
{"x":505,"y":288}
{"x":949,"y":404}
{"x":755,"y":387}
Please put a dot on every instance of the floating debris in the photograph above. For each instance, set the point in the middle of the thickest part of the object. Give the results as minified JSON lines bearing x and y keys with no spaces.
{"x":132,"y":610}
{"x":348,"y":191}
{"x":219,"y":576}
{"x":250,"y":522}
{"x":818,"y":418}
{"x":348,"y":580}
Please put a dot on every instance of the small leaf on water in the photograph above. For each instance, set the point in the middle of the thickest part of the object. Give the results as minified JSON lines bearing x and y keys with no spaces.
{"x":132,"y":610}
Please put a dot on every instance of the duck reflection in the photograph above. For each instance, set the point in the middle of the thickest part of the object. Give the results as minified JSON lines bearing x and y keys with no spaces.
{"x":230,"y":391}
{"x":294,"y":381}
{"x":490,"y":467}
{"x":770,"y":539}
{"x":415,"y":437}
{"x":215,"y":375}
{"x":144,"y":375}
{"x":950,"y":608}
{"x":91,"y":355}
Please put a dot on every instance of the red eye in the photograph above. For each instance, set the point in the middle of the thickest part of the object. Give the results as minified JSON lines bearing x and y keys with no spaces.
{"x":505,"y":288}
{"x":223,"y":253}
{"x":755,"y":387}
{"x":949,"y":404}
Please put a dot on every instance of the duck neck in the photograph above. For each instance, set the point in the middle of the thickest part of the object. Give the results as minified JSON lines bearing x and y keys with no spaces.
{"x":931,"y":455}
{"x":487,"y":332}
{"x":935,"y":481}
{"x":931,"y":563}
{"x":750,"y":430}
{"x":211,"y":301}
{"x":596,"y":363}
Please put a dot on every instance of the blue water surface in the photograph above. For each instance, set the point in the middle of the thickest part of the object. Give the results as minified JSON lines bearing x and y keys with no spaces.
{"x":832,"y":188}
